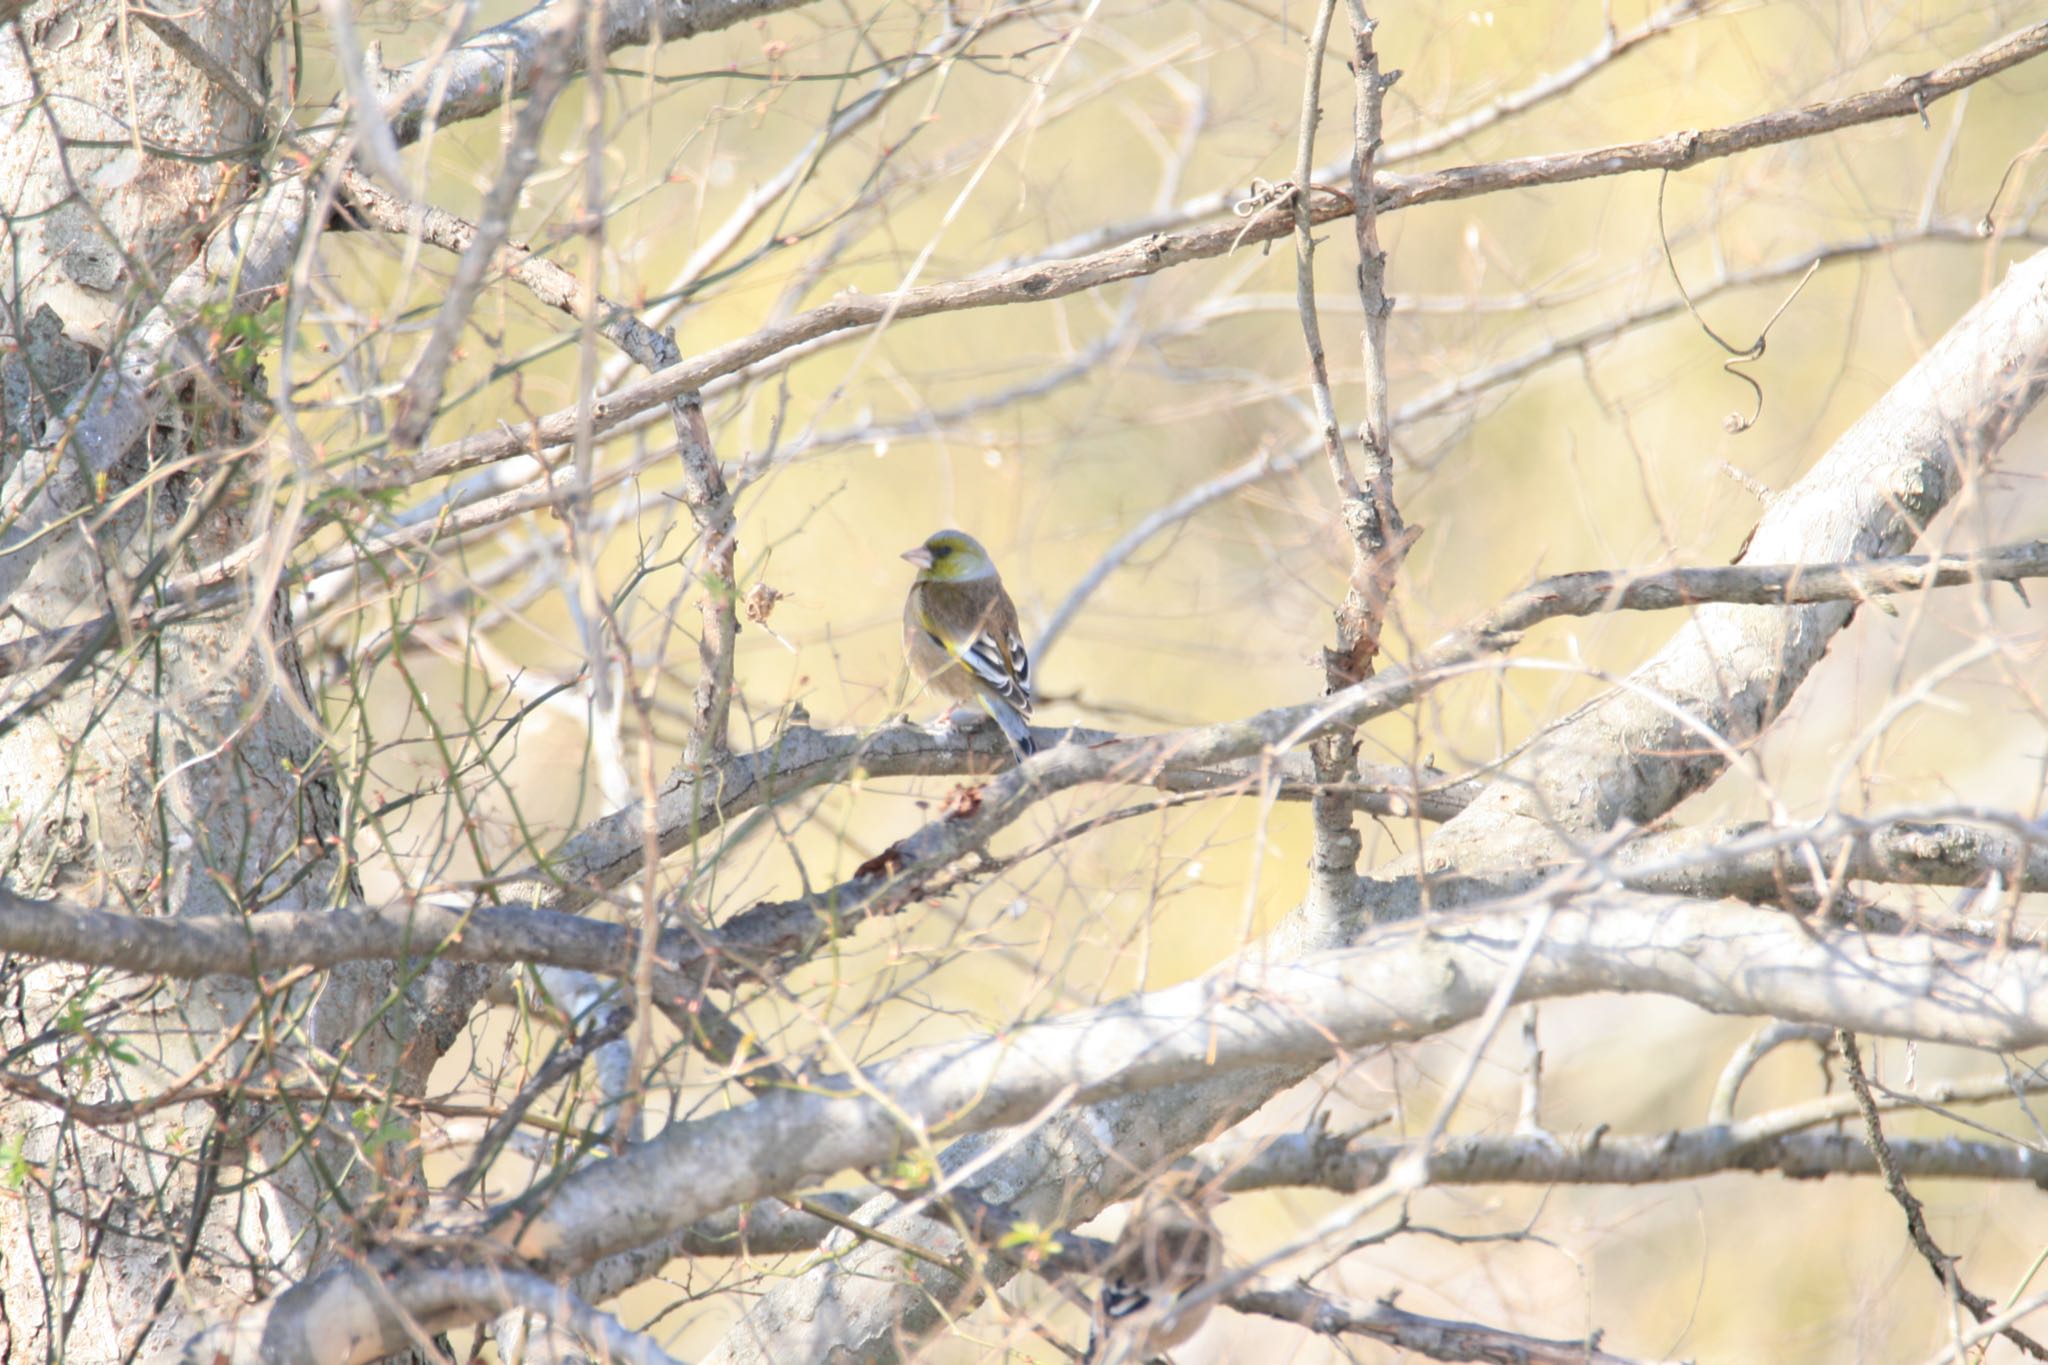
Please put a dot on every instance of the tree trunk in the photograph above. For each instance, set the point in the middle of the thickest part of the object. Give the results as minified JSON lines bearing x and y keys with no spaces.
{"x":184,"y":775}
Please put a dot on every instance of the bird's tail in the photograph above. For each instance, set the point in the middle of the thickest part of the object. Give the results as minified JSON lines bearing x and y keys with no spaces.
{"x":1015,"y":728}
{"x":1112,"y":1347}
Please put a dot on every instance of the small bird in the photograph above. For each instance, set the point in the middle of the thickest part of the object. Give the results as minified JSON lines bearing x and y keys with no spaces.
{"x":960,"y":634}
{"x":1168,"y":1250}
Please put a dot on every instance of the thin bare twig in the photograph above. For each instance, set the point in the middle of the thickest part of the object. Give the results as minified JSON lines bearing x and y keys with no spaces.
{"x":1380,"y":541}
{"x":1267,"y":464}
{"x":1435,"y":1338}
{"x":1612,"y":45}
{"x":1941,"y":1263}
{"x":711,"y":507}
{"x":1907,"y":96}
{"x":565,"y":1062}
{"x":419,"y":398}
{"x":1298,"y":197}
{"x":1734,"y":423}
{"x":1766,"y":1040}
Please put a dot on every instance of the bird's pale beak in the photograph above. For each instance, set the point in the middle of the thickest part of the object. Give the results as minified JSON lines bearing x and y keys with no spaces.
{"x":920,"y":557}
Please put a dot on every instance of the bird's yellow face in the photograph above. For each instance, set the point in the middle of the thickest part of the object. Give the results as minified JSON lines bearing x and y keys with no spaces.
{"x":950,"y":557}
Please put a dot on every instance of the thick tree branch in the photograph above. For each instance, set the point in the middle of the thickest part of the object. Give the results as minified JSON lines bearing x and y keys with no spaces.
{"x":1619,"y":758}
{"x":1403,"y":983}
{"x":1766,"y":1145}
{"x":54,"y":481}
{"x":1760,"y":861}
{"x":1603,"y":1158}
{"x":500,"y":62}
{"x":1731,"y":670}
{"x":751,"y":943}
{"x":1073,"y":1121}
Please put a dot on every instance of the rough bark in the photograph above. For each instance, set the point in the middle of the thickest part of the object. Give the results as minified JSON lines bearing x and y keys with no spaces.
{"x":1636,"y":752}
{"x":147,"y":222}
{"x":181,"y":778}
{"x":1229,"y":1037}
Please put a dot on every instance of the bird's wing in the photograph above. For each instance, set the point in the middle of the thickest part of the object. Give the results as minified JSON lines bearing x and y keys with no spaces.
{"x":999,"y":660}
{"x":1121,"y":1297}
{"x":1167,"y":1251}
{"x":1117,"y":1331}
{"x":987,"y":643}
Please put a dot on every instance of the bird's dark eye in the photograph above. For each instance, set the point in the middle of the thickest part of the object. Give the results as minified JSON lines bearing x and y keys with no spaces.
{"x":941,"y":551}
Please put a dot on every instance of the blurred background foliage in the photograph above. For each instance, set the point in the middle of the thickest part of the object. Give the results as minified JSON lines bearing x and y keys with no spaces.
{"x":1054,"y":121}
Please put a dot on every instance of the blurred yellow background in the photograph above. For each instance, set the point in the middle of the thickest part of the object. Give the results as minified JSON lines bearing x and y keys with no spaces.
{"x":1610,"y":456}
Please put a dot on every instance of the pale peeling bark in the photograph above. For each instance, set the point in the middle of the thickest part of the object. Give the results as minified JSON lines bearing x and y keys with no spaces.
{"x":1227,"y":1038}
{"x":183,"y":779}
{"x":1732,"y":668}
{"x":1637,"y":752}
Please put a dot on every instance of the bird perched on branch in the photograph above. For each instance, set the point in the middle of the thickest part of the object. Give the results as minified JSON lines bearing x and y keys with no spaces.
{"x":960,"y":635}
{"x":1169,"y":1249}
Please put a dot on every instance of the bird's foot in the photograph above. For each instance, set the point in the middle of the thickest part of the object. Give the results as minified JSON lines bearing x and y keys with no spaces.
{"x":958,"y":719}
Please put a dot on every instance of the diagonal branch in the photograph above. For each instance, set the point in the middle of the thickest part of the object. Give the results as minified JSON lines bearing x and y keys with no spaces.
{"x":1732,"y":669}
{"x":251,"y":256}
{"x":1403,"y":983}
{"x":1432,"y":1338}
{"x":419,"y":398}
{"x":1901,"y":97}
{"x":540,"y":275}
{"x":1941,"y":1263}
{"x":1612,"y":45}
{"x":1162,"y":251}
{"x":1576,"y":344}
{"x":1897,"y":465}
